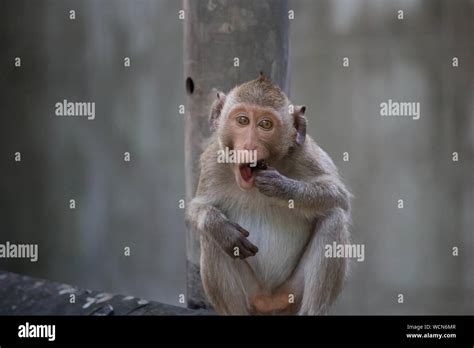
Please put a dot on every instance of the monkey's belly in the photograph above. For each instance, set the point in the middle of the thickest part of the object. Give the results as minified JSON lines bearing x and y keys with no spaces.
{"x":280,"y":238}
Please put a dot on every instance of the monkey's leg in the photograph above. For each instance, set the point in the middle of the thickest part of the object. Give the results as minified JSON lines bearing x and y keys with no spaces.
{"x":230,"y":284}
{"x":322,"y":278}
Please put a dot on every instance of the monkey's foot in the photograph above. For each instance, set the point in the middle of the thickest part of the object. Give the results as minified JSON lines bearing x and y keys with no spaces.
{"x":262,"y":304}
{"x":270,"y":304}
{"x":281,"y":302}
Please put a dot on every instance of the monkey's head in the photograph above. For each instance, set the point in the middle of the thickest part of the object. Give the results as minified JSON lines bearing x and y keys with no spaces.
{"x":257,"y":117}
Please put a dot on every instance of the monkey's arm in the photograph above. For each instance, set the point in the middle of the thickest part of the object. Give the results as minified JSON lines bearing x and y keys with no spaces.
{"x":313,"y":182}
{"x":203,"y":212}
{"x":324,"y":192}
{"x":210,"y":221}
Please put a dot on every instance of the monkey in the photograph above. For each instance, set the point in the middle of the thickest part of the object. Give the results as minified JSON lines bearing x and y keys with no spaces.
{"x":263,"y":229}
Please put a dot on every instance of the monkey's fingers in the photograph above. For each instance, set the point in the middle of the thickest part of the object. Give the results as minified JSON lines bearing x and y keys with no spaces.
{"x":243,"y":254}
{"x":248,"y":245}
{"x":246,"y":249}
{"x":242,"y":230}
{"x":267,"y":188}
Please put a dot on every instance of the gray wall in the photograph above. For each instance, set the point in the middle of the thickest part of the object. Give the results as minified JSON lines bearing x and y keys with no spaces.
{"x":408,"y":251}
{"x":135,"y":204}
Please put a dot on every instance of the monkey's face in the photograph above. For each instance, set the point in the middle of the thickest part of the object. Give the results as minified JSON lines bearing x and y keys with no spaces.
{"x":256,"y":131}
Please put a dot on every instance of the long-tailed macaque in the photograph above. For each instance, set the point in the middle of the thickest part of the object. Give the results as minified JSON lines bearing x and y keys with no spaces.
{"x":264,"y":225}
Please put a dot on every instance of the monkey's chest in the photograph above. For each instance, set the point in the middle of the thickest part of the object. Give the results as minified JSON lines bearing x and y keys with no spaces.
{"x":280,"y":237}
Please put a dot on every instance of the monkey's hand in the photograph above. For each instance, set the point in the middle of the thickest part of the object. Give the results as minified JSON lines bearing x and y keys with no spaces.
{"x":273,"y":184}
{"x":233,"y":240}
{"x":228,"y":235}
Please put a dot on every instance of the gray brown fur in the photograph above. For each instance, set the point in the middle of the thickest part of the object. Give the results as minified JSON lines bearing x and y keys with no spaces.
{"x":261,"y":91}
{"x":282,"y":249}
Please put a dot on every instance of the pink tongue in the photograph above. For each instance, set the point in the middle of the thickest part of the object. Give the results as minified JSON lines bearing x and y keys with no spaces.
{"x":246,"y":173}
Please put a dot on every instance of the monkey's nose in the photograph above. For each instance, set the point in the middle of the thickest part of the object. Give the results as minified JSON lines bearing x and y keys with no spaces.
{"x":250,"y":147}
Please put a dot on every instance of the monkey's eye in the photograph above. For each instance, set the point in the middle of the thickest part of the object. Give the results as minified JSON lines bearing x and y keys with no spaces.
{"x":266,"y":124}
{"x":243,"y":120}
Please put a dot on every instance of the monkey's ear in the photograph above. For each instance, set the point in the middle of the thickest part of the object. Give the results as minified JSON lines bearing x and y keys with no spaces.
{"x":300,"y":124}
{"x":216,"y":109}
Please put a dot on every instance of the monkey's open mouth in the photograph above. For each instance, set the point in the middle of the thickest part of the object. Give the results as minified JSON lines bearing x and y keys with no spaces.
{"x":246,"y":170}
